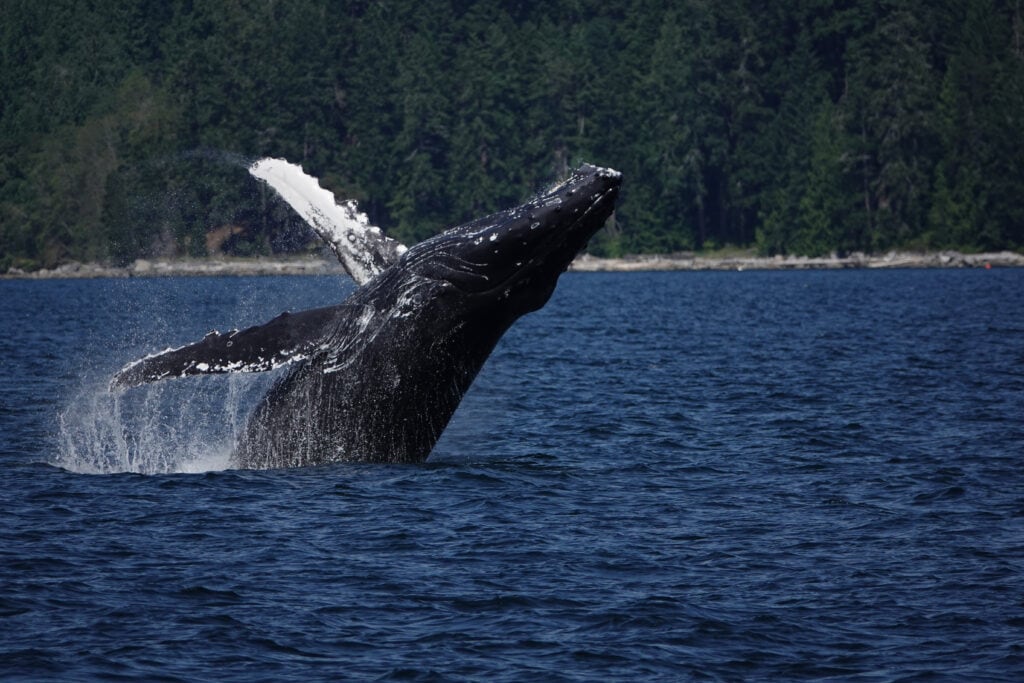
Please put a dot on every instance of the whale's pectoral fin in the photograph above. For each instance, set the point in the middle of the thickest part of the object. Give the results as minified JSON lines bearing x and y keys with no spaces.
{"x":363,"y":249}
{"x":285,"y":339}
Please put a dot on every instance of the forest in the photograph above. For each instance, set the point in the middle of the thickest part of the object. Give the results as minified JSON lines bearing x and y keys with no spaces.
{"x":807,"y":127}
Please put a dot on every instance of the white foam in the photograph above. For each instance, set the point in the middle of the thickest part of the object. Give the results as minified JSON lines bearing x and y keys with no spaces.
{"x":215,"y":460}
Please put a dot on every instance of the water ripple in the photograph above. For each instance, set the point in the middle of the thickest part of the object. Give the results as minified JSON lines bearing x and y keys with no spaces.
{"x":733,"y":476}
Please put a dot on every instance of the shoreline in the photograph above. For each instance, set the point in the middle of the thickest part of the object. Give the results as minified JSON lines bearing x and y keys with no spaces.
{"x":892,"y":259}
{"x":585,"y":263}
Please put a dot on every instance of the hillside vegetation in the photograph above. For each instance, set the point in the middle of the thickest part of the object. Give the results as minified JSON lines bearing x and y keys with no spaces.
{"x":805,"y":127}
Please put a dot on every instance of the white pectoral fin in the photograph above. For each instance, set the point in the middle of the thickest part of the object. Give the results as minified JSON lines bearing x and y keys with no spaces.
{"x":285,"y":339}
{"x":364,"y":250}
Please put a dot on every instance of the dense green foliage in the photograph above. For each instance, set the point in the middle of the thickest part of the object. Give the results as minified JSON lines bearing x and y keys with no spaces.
{"x":803,"y":127}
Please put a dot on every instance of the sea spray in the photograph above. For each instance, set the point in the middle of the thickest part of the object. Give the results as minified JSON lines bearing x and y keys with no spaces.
{"x":189,"y":425}
{"x":185,"y":426}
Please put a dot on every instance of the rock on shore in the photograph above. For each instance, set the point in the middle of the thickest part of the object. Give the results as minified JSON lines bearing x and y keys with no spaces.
{"x":187,"y":267}
{"x":686,"y":261}
{"x":585,"y":263}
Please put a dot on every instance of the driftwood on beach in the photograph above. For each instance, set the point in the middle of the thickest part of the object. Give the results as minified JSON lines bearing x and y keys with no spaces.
{"x":585,"y":263}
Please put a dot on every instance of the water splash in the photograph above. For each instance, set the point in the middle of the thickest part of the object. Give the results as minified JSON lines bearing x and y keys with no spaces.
{"x":183,"y":426}
{"x":187,"y":425}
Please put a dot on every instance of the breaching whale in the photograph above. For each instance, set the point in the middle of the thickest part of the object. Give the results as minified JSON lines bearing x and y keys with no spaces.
{"x":377,"y":377}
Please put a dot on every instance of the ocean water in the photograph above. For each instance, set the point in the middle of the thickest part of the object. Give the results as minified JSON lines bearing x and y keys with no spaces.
{"x":662,"y":476}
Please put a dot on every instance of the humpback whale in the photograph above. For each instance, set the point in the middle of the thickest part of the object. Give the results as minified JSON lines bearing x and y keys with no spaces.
{"x":377,"y":377}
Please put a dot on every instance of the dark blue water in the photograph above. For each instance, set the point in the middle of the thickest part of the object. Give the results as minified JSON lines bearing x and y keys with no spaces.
{"x":707,"y":476}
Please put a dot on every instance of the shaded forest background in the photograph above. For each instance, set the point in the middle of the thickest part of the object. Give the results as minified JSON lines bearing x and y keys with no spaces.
{"x":805,"y":127}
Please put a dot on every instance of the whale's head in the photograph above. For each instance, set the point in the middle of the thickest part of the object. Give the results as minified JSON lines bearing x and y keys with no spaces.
{"x":510,"y":261}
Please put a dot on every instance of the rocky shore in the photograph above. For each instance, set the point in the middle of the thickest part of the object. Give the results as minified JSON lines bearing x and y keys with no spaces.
{"x":893,"y":259}
{"x":585,"y":263}
{"x":187,"y":267}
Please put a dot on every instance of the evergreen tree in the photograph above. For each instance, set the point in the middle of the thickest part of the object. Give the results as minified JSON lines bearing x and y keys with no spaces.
{"x":802,"y":128}
{"x":798,"y":135}
{"x":420,"y":196}
{"x":827,"y":219}
{"x":891,"y":91}
{"x":485,"y":113}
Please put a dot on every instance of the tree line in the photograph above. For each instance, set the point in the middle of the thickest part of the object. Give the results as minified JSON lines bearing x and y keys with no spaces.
{"x":806,"y":127}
